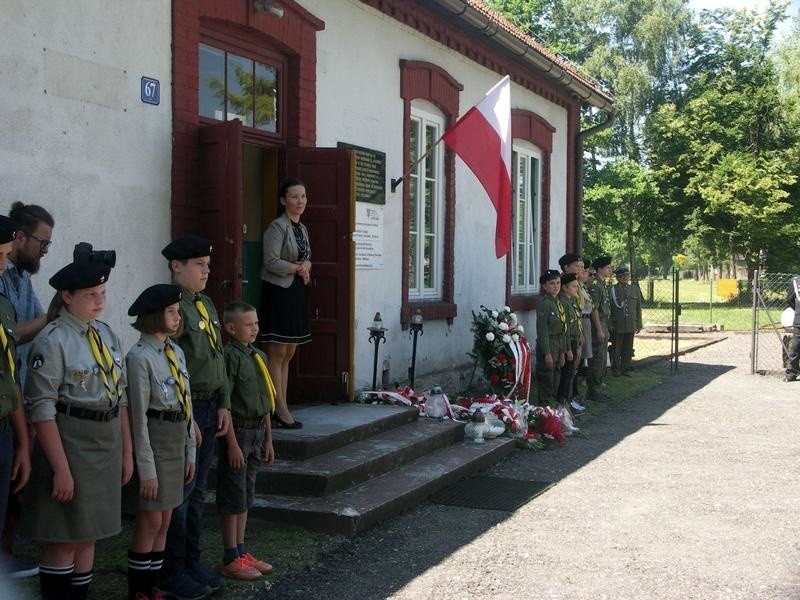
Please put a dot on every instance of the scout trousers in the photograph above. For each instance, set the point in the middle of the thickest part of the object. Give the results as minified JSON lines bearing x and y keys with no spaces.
{"x":623,"y":352}
{"x":597,"y":364}
{"x":548,"y":379}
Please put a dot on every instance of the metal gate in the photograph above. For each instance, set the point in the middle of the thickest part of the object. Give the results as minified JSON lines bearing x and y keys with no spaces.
{"x":661,"y":311}
{"x":769,"y":344}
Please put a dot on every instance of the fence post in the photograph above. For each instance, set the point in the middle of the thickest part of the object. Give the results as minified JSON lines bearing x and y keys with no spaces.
{"x":754,"y":330}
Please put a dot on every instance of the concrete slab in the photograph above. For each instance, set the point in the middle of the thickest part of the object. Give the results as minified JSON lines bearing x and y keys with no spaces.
{"x":326,"y":427}
{"x":353,"y":510}
{"x":354,"y":463}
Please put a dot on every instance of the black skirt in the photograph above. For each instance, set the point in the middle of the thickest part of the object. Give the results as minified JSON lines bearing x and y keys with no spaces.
{"x":284,"y":313}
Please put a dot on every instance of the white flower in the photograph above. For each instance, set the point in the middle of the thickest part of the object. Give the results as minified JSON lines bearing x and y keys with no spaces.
{"x":520,"y":329}
{"x":489,"y":336}
{"x":512,"y":317}
{"x":506,"y":338}
{"x":503,"y":326}
{"x":507,"y":309}
{"x":515,"y":337}
{"x":494,"y":314}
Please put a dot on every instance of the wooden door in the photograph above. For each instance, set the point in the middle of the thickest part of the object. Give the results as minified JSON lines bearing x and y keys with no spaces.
{"x":321,"y":369}
{"x":220,"y":158}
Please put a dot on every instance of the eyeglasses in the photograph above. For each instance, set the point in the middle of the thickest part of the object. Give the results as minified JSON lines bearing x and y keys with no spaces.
{"x":43,"y":244}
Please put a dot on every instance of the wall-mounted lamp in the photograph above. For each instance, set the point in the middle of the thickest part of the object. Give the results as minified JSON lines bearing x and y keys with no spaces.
{"x":376,"y":333}
{"x":268,"y":6}
{"x":415,"y":325}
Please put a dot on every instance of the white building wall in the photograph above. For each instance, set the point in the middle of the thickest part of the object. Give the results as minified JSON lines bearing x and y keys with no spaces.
{"x":76,"y":138}
{"x":358,"y":102}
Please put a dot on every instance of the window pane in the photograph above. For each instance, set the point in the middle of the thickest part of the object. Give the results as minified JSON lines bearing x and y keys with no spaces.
{"x":266,"y":97}
{"x":412,"y":204}
{"x":413,"y":143}
{"x":412,"y":261}
{"x":212,"y":83}
{"x":427,"y":266}
{"x":430,"y":161}
{"x":240,"y":89}
{"x":430,"y":206}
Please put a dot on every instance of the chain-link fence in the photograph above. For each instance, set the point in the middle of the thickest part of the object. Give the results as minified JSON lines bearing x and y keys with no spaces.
{"x":770,"y":339}
{"x":657,"y":339}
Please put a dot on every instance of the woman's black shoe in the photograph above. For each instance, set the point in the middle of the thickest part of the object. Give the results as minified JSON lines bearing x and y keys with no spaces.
{"x":293,"y":425}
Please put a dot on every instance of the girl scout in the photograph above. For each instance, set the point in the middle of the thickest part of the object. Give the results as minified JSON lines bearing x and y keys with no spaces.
{"x":76,"y":387}
{"x":163,"y":432}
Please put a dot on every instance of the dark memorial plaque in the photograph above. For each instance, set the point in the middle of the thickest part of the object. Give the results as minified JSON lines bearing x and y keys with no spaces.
{"x":370,"y":174}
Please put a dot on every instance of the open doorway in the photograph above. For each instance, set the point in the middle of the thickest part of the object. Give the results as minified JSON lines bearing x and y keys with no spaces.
{"x":259,"y":207}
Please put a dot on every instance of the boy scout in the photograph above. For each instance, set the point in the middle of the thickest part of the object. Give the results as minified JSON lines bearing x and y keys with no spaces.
{"x":248,"y":444}
{"x":567,"y":296}
{"x":14,"y":463}
{"x":551,"y":338}
{"x":626,"y":319}
{"x":201,"y":340}
{"x":600,"y":300}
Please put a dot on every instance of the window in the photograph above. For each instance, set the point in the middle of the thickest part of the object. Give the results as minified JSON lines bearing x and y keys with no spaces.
{"x":526,"y":177}
{"x":425,"y":191}
{"x":237,"y":87}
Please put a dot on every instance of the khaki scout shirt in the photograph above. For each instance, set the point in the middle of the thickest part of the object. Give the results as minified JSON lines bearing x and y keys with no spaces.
{"x":206,"y":364}
{"x":626,"y":308}
{"x":249,"y":395}
{"x":9,"y":394}
{"x":152,"y":386}
{"x":550,"y":329}
{"x":599,"y":294}
{"x":573,"y":314}
{"x":62,"y":368}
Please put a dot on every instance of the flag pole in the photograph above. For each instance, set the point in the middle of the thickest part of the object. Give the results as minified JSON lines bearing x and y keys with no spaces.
{"x":399,"y":180}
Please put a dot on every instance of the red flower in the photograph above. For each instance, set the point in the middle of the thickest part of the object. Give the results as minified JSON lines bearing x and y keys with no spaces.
{"x":510,"y":376}
{"x":512,"y":361}
{"x":494,"y":378}
{"x":501,"y":358}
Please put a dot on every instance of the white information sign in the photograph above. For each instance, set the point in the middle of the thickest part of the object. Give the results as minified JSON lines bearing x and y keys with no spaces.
{"x":368,"y":236}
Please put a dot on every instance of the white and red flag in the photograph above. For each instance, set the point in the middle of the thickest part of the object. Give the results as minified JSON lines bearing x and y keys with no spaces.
{"x":482,"y":138}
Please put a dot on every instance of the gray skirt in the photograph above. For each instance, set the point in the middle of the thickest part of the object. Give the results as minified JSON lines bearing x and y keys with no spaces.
{"x":168,"y":441}
{"x":94,"y":454}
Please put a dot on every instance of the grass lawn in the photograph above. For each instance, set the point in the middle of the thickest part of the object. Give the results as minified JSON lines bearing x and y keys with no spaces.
{"x":287,"y":549}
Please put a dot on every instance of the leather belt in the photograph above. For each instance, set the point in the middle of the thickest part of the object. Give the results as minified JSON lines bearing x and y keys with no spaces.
{"x":89,"y":414}
{"x":170,"y":416}
{"x":247,"y":423}
{"x":204,"y":396}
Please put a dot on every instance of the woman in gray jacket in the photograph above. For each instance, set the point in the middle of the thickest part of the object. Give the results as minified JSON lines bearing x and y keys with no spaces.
{"x":285,"y":274}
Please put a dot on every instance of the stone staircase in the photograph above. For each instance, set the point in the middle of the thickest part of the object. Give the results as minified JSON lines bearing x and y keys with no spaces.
{"x":352,"y":465}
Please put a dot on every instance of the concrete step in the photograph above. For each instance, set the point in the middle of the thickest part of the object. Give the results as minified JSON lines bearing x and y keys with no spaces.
{"x":355,"y":463}
{"x":354,"y":509}
{"x":327,"y":427}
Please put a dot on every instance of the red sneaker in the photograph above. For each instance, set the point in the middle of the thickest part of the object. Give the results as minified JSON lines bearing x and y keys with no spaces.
{"x":259,"y":565}
{"x":240,"y":569}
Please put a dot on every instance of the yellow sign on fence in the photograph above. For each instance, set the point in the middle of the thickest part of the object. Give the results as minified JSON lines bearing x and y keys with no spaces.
{"x":727,"y":288}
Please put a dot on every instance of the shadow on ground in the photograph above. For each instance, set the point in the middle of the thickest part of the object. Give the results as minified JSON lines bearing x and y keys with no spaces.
{"x":387,"y":557}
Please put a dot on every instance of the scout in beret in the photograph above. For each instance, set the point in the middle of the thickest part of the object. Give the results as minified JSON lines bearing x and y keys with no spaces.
{"x":75,"y":385}
{"x":567,"y":296}
{"x":626,"y":320}
{"x":189,"y":259}
{"x":568,"y":259}
{"x":13,"y":435}
{"x":162,"y":429}
{"x":598,"y":292}
{"x":551,"y":337}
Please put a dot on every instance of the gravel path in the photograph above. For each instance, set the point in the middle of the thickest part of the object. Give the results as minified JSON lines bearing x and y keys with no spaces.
{"x":687,"y":491}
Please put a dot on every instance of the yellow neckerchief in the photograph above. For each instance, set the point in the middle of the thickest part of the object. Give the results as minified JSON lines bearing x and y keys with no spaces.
{"x":180,"y":384}
{"x":206,"y":321}
{"x":6,"y":347}
{"x":562,"y":315}
{"x":267,"y":379}
{"x":103,"y":359}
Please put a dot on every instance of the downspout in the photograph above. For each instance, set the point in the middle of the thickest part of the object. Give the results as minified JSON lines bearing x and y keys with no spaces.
{"x":582,"y":135}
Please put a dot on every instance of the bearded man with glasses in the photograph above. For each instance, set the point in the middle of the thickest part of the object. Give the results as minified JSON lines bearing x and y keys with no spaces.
{"x":34,"y":228}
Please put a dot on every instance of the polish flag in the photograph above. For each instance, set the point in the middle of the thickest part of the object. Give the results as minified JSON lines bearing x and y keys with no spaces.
{"x":482,"y":138}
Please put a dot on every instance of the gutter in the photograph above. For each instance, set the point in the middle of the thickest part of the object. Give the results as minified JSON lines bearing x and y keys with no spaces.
{"x":528,"y":53}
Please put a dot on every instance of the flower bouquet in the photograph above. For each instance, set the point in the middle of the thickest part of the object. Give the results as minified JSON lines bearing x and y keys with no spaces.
{"x":500,"y":348}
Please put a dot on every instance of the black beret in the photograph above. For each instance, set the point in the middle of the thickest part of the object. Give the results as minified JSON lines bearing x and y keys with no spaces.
{"x":81,"y":275}
{"x":601,"y":261}
{"x":549,"y":275}
{"x":568,"y":258}
{"x":621,"y":270}
{"x":186,"y":247}
{"x":567,"y":277}
{"x":155,"y":298}
{"x":7,"y":231}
